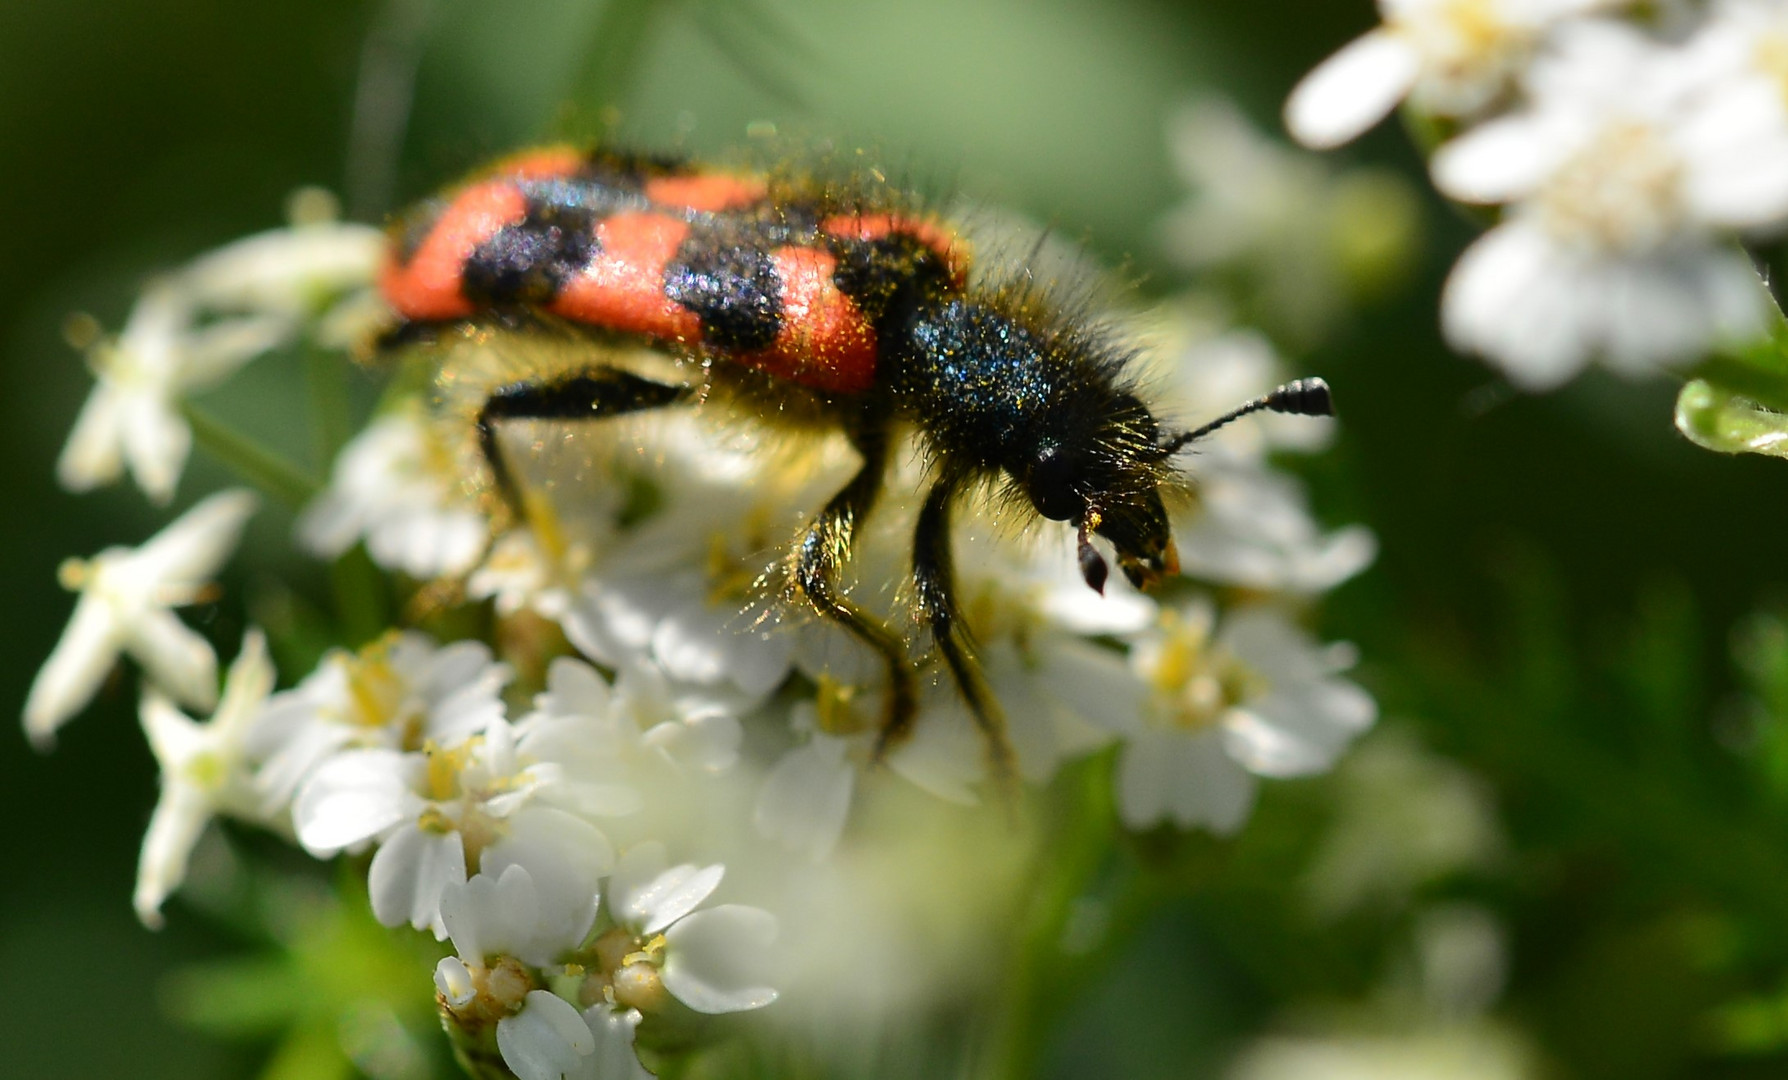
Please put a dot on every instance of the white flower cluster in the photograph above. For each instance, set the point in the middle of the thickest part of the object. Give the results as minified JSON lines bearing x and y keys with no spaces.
{"x":646,"y":691}
{"x":1631,"y":154}
{"x":196,"y":326}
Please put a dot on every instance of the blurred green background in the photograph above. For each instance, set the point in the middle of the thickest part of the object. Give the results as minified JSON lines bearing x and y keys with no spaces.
{"x":1561,"y":582}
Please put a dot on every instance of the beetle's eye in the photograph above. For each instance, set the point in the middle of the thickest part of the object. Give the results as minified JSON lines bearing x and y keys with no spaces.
{"x":1052,"y":487}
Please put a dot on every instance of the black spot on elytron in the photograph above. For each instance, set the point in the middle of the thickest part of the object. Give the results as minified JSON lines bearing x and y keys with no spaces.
{"x":731,"y":287}
{"x":529,"y":262}
{"x":896,"y":269}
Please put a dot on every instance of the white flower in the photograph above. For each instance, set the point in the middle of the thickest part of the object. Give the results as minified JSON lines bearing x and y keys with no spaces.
{"x":524,"y":573}
{"x":203,"y":772}
{"x":1256,"y":699}
{"x":684,"y":590}
{"x":1251,"y":527}
{"x":439,"y":814}
{"x":399,"y":692}
{"x":1451,"y":57}
{"x":806,"y":796}
{"x":613,"y":1031}
{"x":1474,"y":1051}
{"x":402,"y":486}
{"x":1404,"y":817}
{"x":713,"y":960}
{"x":1300,"y":239}
{"x":547,"y":1039}
{"x":492,"y":915}
{"x":1627,"y":173}
{"x":133,"y":414}
{"x":290,"y":271}
{"x":541,"y":1041}
{"x":125,"y":597}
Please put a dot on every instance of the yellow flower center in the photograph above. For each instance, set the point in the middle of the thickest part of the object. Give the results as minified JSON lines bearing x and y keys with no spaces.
{"x":1196,"y":683}
{"x":378,"y":696}
{"x":1620,"y":193}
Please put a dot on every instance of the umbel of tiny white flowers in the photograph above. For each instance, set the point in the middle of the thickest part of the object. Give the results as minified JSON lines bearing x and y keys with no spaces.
{"x":1452,"y":58}
{"x":125,"y":599}
{"x":1628,"y":174}
{"x":260,"y":289}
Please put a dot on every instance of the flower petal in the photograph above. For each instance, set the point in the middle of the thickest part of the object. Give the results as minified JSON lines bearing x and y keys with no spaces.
{"x":714,"y":960}
{"x":353,"y":797}
{"x":1351,"y":90}
{"x":73,"y":673}
{"x":409,"y":873}
{"x":546,"y":1040}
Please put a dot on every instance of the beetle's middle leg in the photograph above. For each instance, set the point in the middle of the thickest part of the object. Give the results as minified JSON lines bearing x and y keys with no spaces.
{"x":819,"y":558}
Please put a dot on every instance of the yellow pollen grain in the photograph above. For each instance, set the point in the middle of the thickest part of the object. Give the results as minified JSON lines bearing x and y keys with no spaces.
{"x":652,"y":952}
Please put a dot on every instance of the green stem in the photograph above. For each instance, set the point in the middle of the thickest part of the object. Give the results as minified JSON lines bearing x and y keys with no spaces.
{"x":260,"y":466}
{"x":608,"y":69}
{"x":1037,"y":978}
{"x":325,"y":380}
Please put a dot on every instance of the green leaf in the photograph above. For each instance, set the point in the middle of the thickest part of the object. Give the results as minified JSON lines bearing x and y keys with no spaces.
{"x":1728,"y":422}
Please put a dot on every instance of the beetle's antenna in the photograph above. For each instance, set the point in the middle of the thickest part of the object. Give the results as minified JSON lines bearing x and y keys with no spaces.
{"x":1300,"y":397}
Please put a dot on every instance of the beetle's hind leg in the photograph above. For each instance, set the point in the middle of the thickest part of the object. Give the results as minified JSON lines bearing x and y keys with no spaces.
{"x":934,"y":580}
{"x":818,"y":558}
{"x":595,"y":394}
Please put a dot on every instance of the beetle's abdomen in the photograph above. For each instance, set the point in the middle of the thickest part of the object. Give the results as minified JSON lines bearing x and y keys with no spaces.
{"x":708,"y":261}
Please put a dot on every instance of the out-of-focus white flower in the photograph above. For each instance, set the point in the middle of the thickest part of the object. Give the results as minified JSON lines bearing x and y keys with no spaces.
{"x":1251,"y":527}
{"x":203,"y":773}
{"x":1404,"y":817}
{"x":806,"y":796}
{"x":400,"y":692}
{"x":440,"y":814}
{"x":1300,"y":239}
{"x":1477,"y":1051}
{"x":1744,"y":45}
{"x":1627,"y":171}
{"x":713,"y":961}
{"x":125,"y":597}
{"x":1256,"y":698}
{"x":294,"y":271}
{"x":527,"y":570}
{"x":132,"y":417}
{"x":1452,"y":58}
{"x":402,"y":485}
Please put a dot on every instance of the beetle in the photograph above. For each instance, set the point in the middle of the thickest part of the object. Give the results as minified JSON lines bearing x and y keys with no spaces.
{"x":845,"y":301}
